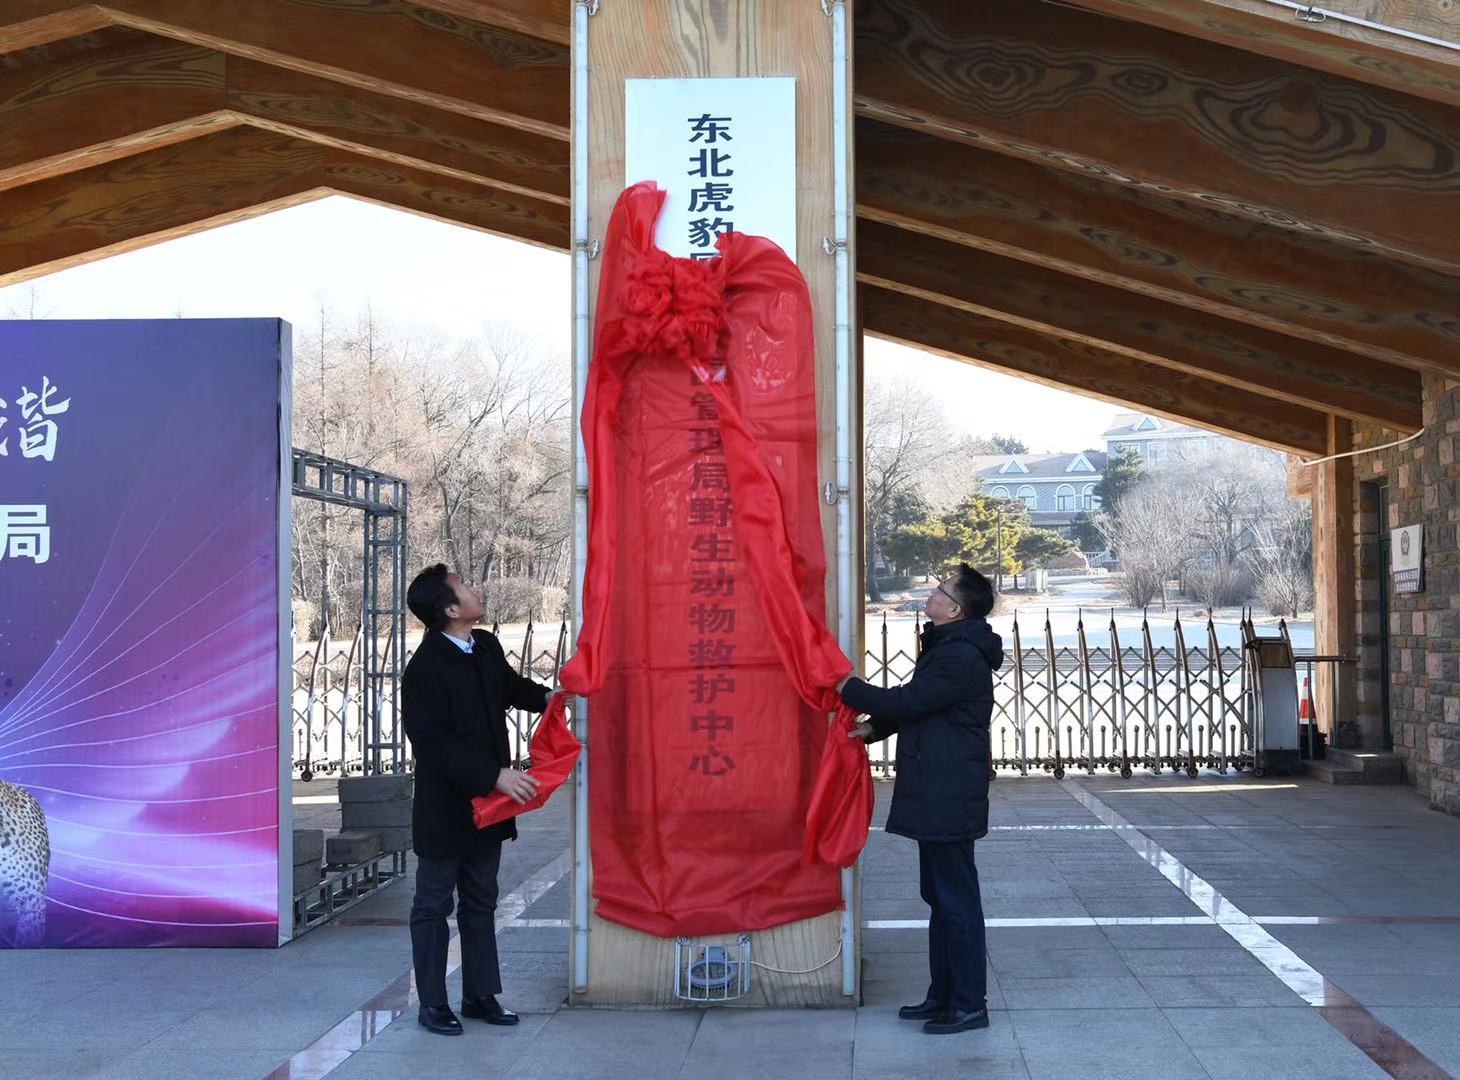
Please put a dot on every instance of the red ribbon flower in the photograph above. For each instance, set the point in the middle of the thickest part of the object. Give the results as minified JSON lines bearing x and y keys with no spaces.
{"x":673,"y":308}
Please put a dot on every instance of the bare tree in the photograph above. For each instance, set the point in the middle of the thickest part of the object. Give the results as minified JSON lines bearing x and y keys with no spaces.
{"x":1281,"y":559}
{"x":1221,"y":521}
{"x":1149,"y":531}
{"x":477,"y":428}
{"x":905,"y":435}
{"x":29,"y":304}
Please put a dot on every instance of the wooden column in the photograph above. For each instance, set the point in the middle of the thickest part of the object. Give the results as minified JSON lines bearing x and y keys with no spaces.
{"x":728,"y":38}
{"x":1334,"y":581}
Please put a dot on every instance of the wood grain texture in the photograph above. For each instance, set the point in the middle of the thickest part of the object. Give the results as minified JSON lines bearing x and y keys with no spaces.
{"x":392,"y":47}
{"x":550,"y":20}
{"x":695,"y":38}
{"x":83,"y":108}
{"x":1077,"y":310}
{"x":446,"y":198}
{"x":1335,"y":599}
{"x":1161,"y":248}
{"x":36,"y":25}
{"x":396,"y":129}
{"x":1170,"y":114}
{"x":1089,"y":370}
{"x":142,"y":91}
{"x":180,"y":189}
{"x":1388,"y":60}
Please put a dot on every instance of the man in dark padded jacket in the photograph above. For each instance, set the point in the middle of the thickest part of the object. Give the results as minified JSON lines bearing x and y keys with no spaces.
{"x":941,"y":798}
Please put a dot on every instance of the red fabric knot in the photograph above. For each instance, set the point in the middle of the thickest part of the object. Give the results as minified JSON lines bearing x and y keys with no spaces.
{"x":673,"y":308}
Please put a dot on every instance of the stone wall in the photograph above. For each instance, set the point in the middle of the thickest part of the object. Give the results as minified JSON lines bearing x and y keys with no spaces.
{"x":1424,"y":628}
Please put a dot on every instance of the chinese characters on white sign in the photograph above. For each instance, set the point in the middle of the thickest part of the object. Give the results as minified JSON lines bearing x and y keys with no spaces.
{"x":24,"y":531}
{"x":1406,"y":558}
{"x":724,"y":152}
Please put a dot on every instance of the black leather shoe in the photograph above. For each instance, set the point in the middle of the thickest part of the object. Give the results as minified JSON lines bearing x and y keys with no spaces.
{"x":439,"y":1020}
{"x":954,"y":1022}
{"x":928,"y":1010}
{"x":488,"y":1009}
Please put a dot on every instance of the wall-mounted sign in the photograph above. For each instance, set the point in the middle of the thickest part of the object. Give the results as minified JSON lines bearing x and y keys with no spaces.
{"x":724,"y":150}
{"x":1406,"y":558}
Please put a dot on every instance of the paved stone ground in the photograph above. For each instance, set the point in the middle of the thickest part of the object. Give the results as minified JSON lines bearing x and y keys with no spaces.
{"x":1361,"y":884}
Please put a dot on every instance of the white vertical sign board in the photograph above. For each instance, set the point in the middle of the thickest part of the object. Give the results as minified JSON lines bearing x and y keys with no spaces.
{"x":1406,"y":558}
{"x":724,"y":150}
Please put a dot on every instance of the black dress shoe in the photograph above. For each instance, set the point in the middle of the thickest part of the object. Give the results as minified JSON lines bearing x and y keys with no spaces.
{"x":928,"y":1010}
{"x":954,"y":1022}
{"x":439,"y":1020}
{"x":488,"y":1009}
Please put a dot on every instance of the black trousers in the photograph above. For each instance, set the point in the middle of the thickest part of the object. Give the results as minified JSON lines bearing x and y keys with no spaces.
{"x":474,"y":881}
{"x":956,"y":951}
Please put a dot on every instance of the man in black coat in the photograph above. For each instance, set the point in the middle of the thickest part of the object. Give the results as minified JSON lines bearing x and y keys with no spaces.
{"x":941,"y":797}
{"x":455,"y":695}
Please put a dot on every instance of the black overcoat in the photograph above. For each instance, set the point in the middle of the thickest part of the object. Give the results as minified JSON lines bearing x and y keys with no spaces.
{"x":941,"y":719}
{"x":454,"y":706}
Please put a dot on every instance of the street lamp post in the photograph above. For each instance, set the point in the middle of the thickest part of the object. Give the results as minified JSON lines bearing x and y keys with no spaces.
{"x":999,"y":549}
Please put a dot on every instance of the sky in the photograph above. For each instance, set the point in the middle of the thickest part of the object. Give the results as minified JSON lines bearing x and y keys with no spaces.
{"x":345,"y":254}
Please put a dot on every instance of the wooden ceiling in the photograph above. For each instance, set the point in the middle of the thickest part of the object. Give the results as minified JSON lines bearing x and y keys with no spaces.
{"x":1207,"y":209}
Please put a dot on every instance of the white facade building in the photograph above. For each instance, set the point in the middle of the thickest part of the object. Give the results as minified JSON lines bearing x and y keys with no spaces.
{"x":1158,"y":441}
{"x":1056,"y":488}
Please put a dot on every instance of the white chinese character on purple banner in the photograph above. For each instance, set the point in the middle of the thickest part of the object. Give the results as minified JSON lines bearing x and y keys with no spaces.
{"x":38,"y":437}
{"x":24,"y":533}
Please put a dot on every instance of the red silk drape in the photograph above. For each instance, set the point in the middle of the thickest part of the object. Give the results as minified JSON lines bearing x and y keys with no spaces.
{"x":721,"y":799}
{"x":553,"y":752}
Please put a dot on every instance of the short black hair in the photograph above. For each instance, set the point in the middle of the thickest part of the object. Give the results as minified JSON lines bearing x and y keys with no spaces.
{"x":430,"y":595}
{"x":974,"y":591}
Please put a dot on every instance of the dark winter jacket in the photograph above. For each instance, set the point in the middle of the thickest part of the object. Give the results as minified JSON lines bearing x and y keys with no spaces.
{"x":454,"y":707}
{"x":941,"y":719}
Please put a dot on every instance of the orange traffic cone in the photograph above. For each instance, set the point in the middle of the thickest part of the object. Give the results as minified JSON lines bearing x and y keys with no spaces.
{"x":1305,"y":703}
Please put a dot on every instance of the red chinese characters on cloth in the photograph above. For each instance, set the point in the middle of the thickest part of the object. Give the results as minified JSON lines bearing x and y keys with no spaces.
{"x":721,"y":800}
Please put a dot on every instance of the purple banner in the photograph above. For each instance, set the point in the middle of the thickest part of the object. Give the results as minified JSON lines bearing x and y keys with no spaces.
{"x":140,"y":631}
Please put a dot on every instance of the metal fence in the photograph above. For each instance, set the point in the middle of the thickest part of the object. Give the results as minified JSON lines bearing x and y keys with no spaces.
{"x":1107,"y":704}
{"x":1100,"y":704}
{"x":330,"y":731}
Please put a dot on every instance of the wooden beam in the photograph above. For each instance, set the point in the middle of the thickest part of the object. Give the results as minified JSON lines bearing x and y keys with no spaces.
{"x":1157,"y":247}
{"x":142,"y":91}
{"x":393,"y":47}
{"x":1328,"y":44}
{"x":87,"y":107}
{"x":729,"y":38}
{"x":550,"y":20}
{"x":1173,"y":115}
{"x":547,"y":20}
{"x":1094,"y":372}
{"x":34,"y":26}
{"x":1083,"y":311}
{"x":172,"y":191}
{"x":406,"y":132}
{"x":181,"y":189}
{"x":1334,"y":577}
{"x":504,"y":213}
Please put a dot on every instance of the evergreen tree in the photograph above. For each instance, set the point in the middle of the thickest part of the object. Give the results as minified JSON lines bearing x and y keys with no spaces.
{"x":1123,"y":470}
{"x":1088,"y":536}
{"x":985,"y":528}
{"x":921,"y":547}
{"x":1040,"y":547}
